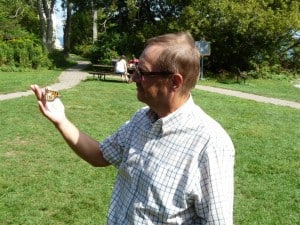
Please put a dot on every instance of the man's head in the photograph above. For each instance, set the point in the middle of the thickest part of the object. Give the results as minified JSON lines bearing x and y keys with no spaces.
{"x":179,"y":55}
{"x":168,"y":68}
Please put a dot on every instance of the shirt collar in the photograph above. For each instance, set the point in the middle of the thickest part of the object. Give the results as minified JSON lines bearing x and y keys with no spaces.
{"x":169,"y":122}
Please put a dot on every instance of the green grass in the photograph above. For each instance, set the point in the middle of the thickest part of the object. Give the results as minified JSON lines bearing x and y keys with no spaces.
{"x":281,"y":89}
{"x":43,"y":182}
{"x":267,"y":144}
{"x":20,"y":81}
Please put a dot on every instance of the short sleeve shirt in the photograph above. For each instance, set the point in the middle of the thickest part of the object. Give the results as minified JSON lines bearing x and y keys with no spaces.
{"x":121,"y":66}
{"x":173,"y":170}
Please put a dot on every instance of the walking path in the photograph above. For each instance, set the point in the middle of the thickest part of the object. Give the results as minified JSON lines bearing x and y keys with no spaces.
{"x":67,"y":79}
{"x":254,"y":97}
{"x":73,"y":76}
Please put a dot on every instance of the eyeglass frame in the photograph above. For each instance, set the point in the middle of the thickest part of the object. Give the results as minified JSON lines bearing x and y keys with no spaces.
{"x":142,"y":74}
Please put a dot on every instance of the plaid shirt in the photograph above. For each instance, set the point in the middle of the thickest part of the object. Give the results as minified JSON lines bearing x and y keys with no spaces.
{"x":173,"y":170}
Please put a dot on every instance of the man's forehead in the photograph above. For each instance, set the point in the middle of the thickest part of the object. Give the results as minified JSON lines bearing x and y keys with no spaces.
{"x":153,"y":49}
{"x":150,"y":55}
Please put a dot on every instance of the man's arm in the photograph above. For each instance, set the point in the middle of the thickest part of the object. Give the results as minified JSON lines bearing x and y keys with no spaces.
{"x":216,"y":187}
{"x":83,"y":145}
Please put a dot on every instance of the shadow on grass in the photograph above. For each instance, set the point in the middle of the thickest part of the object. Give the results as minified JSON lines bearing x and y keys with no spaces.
{"x":107,"y":80}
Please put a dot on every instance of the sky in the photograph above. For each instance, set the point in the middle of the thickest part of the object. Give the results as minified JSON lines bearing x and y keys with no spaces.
{"x":58,"y":19}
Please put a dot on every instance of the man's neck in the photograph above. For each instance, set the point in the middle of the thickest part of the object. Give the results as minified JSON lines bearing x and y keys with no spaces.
{"x":171,"y":106}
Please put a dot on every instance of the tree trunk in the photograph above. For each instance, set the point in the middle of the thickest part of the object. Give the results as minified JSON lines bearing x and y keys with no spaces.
{"x":67,"y":30}
{"x":45,"y":10}
{"x":95,"y":28}
{"x":95,"y":25}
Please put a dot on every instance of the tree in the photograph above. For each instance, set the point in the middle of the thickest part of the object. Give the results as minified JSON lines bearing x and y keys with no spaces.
{"x":84,"y":14}
{"x":95,"y":18}
{"x":19,"y":37}
{"x":45,"y":11}
{"x":67,"y":28}
{"x":243,"y":33}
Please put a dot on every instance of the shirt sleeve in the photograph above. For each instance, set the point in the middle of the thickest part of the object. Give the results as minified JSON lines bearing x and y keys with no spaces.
{"x":114,"y":146}
{"x":214,"y":201}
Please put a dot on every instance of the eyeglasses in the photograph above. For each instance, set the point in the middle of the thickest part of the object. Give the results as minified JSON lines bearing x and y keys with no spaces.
{"x":142,"y":74}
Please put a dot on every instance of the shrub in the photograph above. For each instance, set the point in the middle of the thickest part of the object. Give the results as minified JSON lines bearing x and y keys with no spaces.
{"x":22,"y":53}
{"x":267,"y":71}
{"x":59,"y":59}
{"x":84,"y":50}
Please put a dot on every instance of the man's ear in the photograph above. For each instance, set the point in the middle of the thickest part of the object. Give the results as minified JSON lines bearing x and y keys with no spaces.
{"x":176,"y":81}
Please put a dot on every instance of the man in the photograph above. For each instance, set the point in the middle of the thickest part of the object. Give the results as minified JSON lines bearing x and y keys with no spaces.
{"x":175,"y":163}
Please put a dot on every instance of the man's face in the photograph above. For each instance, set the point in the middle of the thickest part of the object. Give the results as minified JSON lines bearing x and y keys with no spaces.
{"x":151,"y":90}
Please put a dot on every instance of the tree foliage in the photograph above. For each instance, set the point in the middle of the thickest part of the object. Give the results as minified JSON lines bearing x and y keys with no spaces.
{"x":20,"y":45}
{"x":245,"y":34}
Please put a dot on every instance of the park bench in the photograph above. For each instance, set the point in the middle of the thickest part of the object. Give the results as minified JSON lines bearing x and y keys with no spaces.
{"x":101,"y":75}
{"x":101,"y":71}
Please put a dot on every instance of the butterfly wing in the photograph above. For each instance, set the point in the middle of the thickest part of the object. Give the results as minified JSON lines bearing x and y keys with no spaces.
{"x":51,"y":95}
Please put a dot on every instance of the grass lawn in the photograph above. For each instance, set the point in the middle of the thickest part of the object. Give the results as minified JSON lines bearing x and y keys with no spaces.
{"x":281,"y":89}
{"x":43,"y":182}
{"x":20,"y":81}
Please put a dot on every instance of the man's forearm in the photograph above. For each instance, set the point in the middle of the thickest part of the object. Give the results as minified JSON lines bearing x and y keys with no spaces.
{"x":82,"y":144}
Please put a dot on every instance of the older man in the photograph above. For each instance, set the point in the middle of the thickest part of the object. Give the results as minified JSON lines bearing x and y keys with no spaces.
{"x":175,"y":163}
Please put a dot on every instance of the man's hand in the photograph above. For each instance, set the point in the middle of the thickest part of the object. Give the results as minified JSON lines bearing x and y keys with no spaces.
{"x":53,"y":110}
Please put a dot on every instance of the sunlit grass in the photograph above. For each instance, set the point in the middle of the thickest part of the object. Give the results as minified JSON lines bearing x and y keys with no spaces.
{"x":43,"y":182}
{"x":20,"y":81}
{"x":282,"y":89}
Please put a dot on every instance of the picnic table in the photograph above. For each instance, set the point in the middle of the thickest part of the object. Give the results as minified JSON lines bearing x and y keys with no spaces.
{"x":102,"y":67}
{"x":131,"y":69}
{"x":101,"y":71}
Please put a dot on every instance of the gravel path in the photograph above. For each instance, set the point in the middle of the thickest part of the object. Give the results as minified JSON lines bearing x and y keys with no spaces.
{"x":254,"y":97}
{"x":67,"y":79}
{"x":73,"y":76}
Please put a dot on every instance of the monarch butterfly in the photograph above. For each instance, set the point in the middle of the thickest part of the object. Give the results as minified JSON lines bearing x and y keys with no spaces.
{"x":51,"y":95}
